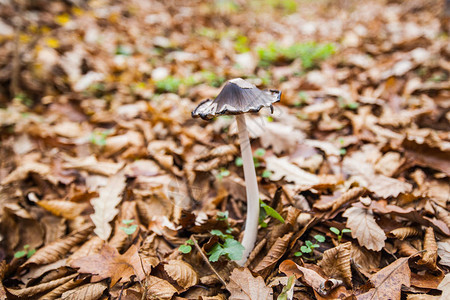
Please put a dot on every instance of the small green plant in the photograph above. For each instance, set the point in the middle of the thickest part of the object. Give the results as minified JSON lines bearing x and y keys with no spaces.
{"x":311,"y":54}
{"x":98,"y":138}
{"x":130,"y":229}
{"x":339,"y":233}
{"x":257,"y":155}
{"x":186,"y":247}
{"x":241,"y":44}
{"x":288,"y":289}
{"x":223,"y":173}
{"x":309,"y":246}
{"x":27,"y":251}
{"x":212,"y":78}
{"x":169,"y":84}
{"x":266,"y":174}
{"x":230,"y":248}
{"x":124,"y":50}
{"x":24,"y":99}
{"x":266,"y":210}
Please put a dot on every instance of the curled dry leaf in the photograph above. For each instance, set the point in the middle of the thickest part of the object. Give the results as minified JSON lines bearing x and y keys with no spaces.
{"x":182,"y":273}
{"x":275,"y":253}
{"x":404,"y":232}
{"x":336,"y":263}
{"x":429,"y":244}
{"x":110,"y":264}
{"x":57,"y":292}
{"x":344,"y":198}
{"x":66,"y":209}
{"x":90,"y":291}
{"x":59,"y":248}
{"x":388,"y":281}
{"x":442,"y":214}
{"x":282,"y":168}
{"x":105,"y":205}
{"x":368,"y":261}
{"x":405,"y":248}
{"x":243,"y":286}
{"x":90,"y":247}
{"x":22,"y":172}
{"x":33,"y":290}
{"x":364,"y":228}
{"x":444,"y":286}
{"x":159,"y":288}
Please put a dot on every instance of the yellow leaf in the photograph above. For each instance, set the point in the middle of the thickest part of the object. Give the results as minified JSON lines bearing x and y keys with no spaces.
{"x":62,"y":19}
{"x":52,"y":42}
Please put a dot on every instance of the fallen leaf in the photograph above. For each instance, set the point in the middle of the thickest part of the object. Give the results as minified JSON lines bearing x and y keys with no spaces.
{"x":33,"y":290}
{"x":444,"y":252}
{"x":105,"y":205}
{"x":159,"y":288}
{"x":388,"y":281}
{"x":282,"y":168}
{"x":182,"y":273}
{"x":274,"y":255}
{"x":67,"y":209}
{"x":110,"y":264}
{"x":364,"y":228}
{"x":336,"y":263}
{"x":90,"y":291}
{"x":243,"y":286}
{"x":444,"y":286}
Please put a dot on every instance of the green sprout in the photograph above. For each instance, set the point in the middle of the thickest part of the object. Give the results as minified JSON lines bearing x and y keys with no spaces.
{"x":25,"y":252}
{"x":130,"y":229}
{"x":339,"y":233}
{"x":266,"y":210}
{"x":230,"y":248}
{"x":186,"y":247}
{"x":99,"y":138}
{"x":222,"y":173}
{"x":27,"y":101}
{"x":309,"y":246}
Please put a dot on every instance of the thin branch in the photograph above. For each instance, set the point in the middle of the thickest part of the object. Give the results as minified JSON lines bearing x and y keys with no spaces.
{"x":207,"y":261}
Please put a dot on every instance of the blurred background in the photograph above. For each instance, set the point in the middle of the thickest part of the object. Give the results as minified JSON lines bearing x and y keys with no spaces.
{"x":128,"y":50}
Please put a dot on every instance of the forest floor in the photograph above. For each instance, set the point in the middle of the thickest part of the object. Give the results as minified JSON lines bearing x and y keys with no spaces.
{"x":110,"y":189}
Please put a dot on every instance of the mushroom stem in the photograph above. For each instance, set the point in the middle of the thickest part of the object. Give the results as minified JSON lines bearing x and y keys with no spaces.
{"x":251,"y":184}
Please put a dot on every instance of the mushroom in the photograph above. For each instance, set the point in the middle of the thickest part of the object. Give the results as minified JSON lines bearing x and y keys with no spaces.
{"x":236,"y":98}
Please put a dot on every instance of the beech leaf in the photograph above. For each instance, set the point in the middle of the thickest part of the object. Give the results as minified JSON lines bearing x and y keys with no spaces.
{"x":282,"y":168}
{"x":243,"y":286}
{"x":105,"y":205}
{"x":182,"y":273}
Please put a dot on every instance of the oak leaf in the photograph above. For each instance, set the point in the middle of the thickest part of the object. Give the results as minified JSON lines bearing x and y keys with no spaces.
{"x":364,"y":228}
{"x":388,"y":281}
{"x":243,"y":286}
{"x":110,"y":264}
{"x":105,"y":205}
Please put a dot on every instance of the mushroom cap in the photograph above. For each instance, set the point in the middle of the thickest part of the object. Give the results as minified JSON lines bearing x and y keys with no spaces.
{"x":237,"y":96}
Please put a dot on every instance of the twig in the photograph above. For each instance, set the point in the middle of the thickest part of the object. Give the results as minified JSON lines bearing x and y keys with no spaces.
{"x":207,"y":261}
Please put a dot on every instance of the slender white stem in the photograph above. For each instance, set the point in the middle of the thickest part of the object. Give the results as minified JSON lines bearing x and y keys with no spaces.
{"x":251,"y":224}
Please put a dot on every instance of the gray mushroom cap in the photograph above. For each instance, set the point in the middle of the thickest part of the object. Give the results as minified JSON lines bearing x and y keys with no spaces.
{"x":237,"y":96}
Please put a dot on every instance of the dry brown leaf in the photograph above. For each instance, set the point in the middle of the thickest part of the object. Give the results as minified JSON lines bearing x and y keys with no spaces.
{"x":275,"y":253}
{"x":33,"y":290}
{"x":59,"y":248}
{"x":105,"y":205}
{"x":388,"y":281}
{"x":282,"y":168}
{"x":336,"y":263}
{"x":444,"y":252}
{"x":422,"y":297}
{"x":90,"y":247}
{"x":338,"y":202}
{"x":90,"y":291}
{"x":57,"y":292}
{"x":404,"y":232}
{"x":22,"y":172}
{"x":364,"y":228}
{"x":110,"y":264}
{"x":367,"y":260}
{"x":67,"y":209}
{"x":3,"y":268}
{"x":159,"y":288}
{"x":91,"y":164}
{"x":430,"y":256}
{"x":405,"y":248}
{"x":182,"y":273}
{"x":444,"y":286}
{"x":442,"y":214}
{"x":243,"y":286}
